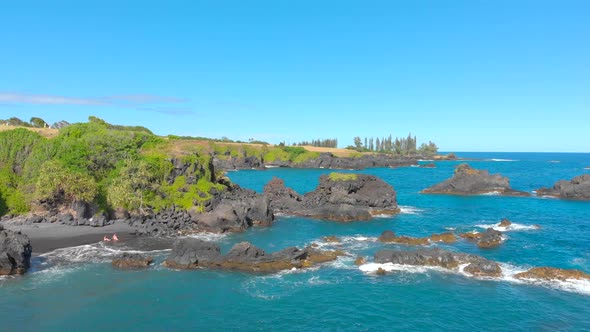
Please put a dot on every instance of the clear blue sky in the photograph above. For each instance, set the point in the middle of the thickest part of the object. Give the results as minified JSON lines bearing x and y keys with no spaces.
{"x":470,"y":75}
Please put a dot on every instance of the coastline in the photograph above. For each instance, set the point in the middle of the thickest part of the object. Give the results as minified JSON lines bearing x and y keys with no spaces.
{"x":47,"y":237}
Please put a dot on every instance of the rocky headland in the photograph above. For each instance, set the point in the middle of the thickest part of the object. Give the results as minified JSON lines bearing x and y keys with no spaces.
{"x":577,"y":188}
{"x":190,"y":253}
{"x":323,"y":160}
{"x":470,"y":181}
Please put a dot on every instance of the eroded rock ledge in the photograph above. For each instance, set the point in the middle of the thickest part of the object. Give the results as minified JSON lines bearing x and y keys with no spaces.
{"x":476,"y":265}
{"x":470,"y":181}
{"x":190,"y":253}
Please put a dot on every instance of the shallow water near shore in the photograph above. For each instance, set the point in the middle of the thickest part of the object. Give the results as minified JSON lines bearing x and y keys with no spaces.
{"x":76,"y":288}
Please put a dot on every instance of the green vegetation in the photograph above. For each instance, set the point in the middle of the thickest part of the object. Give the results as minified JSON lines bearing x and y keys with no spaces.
{"x":110,"y":165}
{"x":334,"y":176}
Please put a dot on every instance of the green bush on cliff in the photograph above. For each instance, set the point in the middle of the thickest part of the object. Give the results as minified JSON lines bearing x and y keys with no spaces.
{"x":334,"y":176}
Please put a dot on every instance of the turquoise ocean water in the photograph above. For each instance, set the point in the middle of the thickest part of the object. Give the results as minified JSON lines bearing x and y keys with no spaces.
{"x":76,"y":289}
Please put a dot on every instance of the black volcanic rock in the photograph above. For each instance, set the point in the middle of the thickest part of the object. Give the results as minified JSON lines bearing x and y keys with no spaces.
{"x":577,"y":188}
{"x":15,"y":252}
{"x":469,"y":181}
{"x":131,"y":261}
{"x":188,"y":253}
{"x":338,"y":197}
{"x":476,"y":265}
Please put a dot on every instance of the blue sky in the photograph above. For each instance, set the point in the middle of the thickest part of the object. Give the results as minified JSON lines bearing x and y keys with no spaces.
{"x":470,"y":75}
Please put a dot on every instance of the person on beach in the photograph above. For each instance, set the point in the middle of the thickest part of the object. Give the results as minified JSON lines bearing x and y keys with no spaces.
{"x":106,"y":239}
{"x":115,"y":238}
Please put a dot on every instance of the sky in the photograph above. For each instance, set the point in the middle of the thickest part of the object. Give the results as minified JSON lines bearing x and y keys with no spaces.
{"x":469,"y":75}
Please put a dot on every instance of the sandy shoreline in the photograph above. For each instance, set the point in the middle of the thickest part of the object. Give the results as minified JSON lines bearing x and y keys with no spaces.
{"x":47,"y":237}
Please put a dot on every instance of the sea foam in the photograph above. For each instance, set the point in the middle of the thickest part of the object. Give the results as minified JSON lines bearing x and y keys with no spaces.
{"x":511,"y":227}
{"x":406,"y":209}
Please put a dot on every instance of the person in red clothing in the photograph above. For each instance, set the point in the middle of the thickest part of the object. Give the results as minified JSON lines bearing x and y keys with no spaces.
{"x":115,"y":238}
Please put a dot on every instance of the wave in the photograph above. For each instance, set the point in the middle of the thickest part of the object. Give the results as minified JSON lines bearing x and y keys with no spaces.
{"x":501,"y":160}
{"x":353,"y":242}
{"x":210,"y":237}
{"x":90,"y":253}
{"x":512,"y":227}
{"x":491,"y":193}
{"x":406,"y":209}
{"x":554,"y":161}
{"x":509,"y":272}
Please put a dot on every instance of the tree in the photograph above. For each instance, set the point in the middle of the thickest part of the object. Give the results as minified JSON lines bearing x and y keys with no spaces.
{"x":357,"y":143}
{"x":38,"y":122}
{"x":56,"y":183}
{"x":135,"y":178}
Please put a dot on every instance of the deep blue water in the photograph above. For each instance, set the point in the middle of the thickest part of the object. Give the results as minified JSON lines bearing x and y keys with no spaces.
{"x":65,"y":292}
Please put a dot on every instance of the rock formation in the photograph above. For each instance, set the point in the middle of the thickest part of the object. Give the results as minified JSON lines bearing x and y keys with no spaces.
{"x":338,"y":197}
{"x":131,"y":261}
{"x":188,"y":253}
{"x":390,"y":237}
{"x":491,"y":238}
{"x":577,"y":188}
{"x":15,"y":252}
{"x":469,"y":181}
{"x":476,"y":265}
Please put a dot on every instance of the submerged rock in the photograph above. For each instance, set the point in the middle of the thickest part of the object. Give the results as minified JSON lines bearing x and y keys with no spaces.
{"x":131,"y":261}
{"x":505,"y":222}
{"x":390,"y":237}
{"x":469,"y":181}
{"x":577,"y":188}
{"x":331,"y":239}
{"x":15,"y":252}
{"x":360,"y":260}
{"x":490,"y":238}
{"x":444,"y":237}
{"x":551,"y":273}
{"x":188,"y":253}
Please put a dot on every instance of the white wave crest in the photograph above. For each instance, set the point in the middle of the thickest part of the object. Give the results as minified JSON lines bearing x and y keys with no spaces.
{"x":353,"y":242}
{"x":206,"y":236}
{"x":508,"y":275}
{"x":491,"y":193}
{"x":94,"y":253}
{"x":512,"y":227}
{"x":406,"y":209}
{"x":501,"y":160}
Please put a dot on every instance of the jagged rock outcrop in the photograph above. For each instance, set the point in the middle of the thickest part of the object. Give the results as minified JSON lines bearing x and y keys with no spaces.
{"x":551,"y":273}
{"x":15,"y":252}
{"x":577,"y":188}
{"x":281,"y":198}
{"x":469,"y":181}
{"x":131,"y":261}
{"x":188,"y":253}
{"x":476,"y":265}
{"x":338,"y":197}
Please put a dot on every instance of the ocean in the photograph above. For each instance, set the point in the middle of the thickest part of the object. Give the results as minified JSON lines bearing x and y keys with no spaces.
{"x":75,"y":289}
